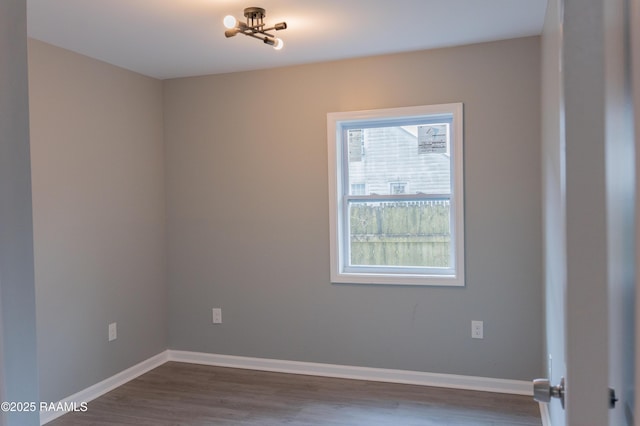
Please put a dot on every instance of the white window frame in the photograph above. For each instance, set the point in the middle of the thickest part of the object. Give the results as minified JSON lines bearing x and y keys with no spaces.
{"x":341,"y":273}
{"x":393,"y":184}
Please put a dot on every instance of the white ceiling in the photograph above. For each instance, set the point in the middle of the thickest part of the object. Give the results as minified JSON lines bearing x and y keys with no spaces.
{"x":178,"y":38}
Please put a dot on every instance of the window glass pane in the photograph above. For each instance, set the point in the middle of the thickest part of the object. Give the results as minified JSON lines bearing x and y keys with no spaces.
{"x":400,"y":159}
{"x":358,"y":189}
{"x":412,"y":234}
{"x":396,"y":195}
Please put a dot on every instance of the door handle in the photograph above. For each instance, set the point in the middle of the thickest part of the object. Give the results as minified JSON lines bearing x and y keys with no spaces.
{"x":543,"y":391}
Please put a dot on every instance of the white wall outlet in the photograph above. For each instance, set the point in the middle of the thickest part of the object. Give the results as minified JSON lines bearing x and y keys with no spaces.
{"x":217,"y":315}
{"x":113,"y":331}
{"x":477,"y":329}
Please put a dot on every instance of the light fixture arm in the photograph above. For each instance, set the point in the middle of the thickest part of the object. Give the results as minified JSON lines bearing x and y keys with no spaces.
{"x":254,"y":27}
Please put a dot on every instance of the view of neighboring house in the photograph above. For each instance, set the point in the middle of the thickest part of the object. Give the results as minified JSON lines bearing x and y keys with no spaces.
{"x":395,"y":160}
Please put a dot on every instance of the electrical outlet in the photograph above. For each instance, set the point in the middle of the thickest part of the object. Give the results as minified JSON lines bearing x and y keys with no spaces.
{"x":477,"y":329}
{"x":113,"y":331}
{"x":217,"y":315}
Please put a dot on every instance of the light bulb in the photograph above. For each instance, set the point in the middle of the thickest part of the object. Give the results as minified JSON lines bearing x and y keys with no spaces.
{"x":279,"y":44}
{"x":231,"y":32}
{"x":229,"y":21}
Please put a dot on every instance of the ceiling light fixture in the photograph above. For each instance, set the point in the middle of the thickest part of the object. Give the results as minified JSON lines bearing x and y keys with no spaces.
{"x":254,"y":27}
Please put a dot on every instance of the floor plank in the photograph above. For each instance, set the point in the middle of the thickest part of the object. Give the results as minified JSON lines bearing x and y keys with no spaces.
{"x":179,"y":394}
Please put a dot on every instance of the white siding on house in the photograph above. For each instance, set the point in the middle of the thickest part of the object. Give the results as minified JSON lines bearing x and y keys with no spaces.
{"x":391,"y":155}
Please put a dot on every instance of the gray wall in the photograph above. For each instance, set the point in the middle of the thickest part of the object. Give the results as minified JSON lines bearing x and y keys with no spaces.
{"x":18,"y":369}
{"x":247,"y":221}
{"x":99,"y":218}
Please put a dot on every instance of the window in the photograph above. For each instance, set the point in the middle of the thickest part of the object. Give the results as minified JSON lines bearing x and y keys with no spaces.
{"x":396,"y":188}
{"x":397,"y":212}
{"x":358,"y":188}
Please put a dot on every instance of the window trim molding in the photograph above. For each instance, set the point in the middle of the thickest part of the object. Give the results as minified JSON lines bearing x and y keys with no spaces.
{"x":335,"y":123}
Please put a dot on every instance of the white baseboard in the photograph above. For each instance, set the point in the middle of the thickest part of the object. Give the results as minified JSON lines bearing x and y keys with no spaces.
{"x":92,"y":392}
{"x":486,"y":384}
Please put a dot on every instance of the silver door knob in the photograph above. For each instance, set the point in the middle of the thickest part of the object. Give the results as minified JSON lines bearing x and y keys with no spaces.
{"x":543,"y":391}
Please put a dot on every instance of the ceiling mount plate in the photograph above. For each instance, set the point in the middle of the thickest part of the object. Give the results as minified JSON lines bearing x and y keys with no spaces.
{"x":254,"y":13}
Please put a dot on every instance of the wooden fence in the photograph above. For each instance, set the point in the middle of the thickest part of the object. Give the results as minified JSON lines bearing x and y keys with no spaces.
{"x":400,"y":234}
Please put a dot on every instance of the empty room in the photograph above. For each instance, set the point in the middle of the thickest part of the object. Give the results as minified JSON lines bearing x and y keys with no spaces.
{"x":318,"y":213}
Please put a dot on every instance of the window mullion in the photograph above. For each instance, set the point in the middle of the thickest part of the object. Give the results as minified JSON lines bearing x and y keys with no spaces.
{"x":398,"y":198}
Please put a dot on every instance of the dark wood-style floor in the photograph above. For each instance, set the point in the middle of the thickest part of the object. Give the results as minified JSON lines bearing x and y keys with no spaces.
{"x":180,"y":394}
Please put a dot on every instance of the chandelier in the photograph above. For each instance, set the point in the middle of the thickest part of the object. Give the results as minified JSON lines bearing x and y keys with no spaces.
{"x":254,"y":27}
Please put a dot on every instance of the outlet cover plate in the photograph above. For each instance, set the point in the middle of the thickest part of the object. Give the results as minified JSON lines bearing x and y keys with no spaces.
{"x":477,"y":329}
{"x":113,"y":331}
{"x":217,"y":315}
